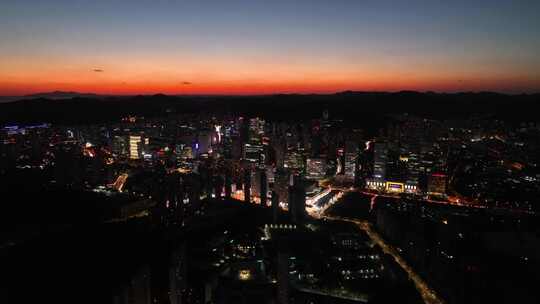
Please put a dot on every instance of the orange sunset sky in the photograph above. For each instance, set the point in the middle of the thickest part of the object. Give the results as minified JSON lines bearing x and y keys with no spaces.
{"x":257,"y":47}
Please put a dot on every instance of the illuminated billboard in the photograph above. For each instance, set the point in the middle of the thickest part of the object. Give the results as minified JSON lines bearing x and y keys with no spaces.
{"x":395,"y":187}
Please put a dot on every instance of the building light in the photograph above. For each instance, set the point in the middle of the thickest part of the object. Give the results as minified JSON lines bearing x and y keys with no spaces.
{"x":135,"y":147}
{"x":244,"y":274}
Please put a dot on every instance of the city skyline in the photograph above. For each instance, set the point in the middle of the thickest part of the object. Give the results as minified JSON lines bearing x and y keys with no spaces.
{"x":252,"y":47}
{"x":269,"y":152}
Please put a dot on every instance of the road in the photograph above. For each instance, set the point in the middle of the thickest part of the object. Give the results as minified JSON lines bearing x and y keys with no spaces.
{"x":454,"y":201}
{"x":428,"y":295}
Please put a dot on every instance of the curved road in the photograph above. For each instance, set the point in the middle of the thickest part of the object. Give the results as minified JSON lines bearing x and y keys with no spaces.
{"x":428,"y":295}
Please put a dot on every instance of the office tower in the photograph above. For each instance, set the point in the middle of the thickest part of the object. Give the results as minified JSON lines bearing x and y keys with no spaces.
{"x":247,"y":186}
{"x":237,"y":148}
{"x":204,"y":142}
{"x":275,"y":206}
{"x":380,"y":152}
{"x":411,"y":157}
{"x":316,"y":146}
{"x":172,"y":189}
{"x":264,"y":187}
{"x":120,"y":147}
{"x":281,"y":185}
{"x":316,"y":168}
{"x":218,"y":184}
{"x":280,"y":148}
{"x":253,"y":152}
{"x":436,"y":184}
{"x":256,"y":185}
{"x":270,"y":174}
{"x":135,"y":147}
{"x":364,"y":170}
{"x":228,"y":184}
{"x":255,"y":130}
{"x":351,"y":156}
{"x":395,"y":169}
{"x":294,"y":161}
{"x":325,"y":115}
{"x":187,"y":152}
{"x":297,"y":200}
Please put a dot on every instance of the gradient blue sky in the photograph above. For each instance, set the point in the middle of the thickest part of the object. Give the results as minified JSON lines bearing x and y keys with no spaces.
{"x":241,"y":46}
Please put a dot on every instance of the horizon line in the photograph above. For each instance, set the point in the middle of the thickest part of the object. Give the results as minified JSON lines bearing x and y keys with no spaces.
{"x":267,"y":94}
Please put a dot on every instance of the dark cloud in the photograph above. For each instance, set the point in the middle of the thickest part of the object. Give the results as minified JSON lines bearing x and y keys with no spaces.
{"x":98,"y":70}
{"x":186,"y":82}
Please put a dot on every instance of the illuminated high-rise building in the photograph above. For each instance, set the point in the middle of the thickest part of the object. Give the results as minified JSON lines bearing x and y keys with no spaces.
{"x":264,"y":187}
{"x":259,"y":186}
{"x":436,"y":184}
{"x":294,"y":161}
{"x":204,"y":142}
{"x":255,"y":183}
{"x":120,"y":147}
{"x":254,"y":153}
{"x":247,"y":186}
{"x":256,"y":130}
{"x":281,"y":185}
{"x":316,"y":168}
{"x":186,"y":152}
{"x":135,"y":147}
{"x":351,"y":156}
{"x":297,"y":199}
{"x":412,"y":160}
{"x":275,"y":206}
{"x":380,"y":154}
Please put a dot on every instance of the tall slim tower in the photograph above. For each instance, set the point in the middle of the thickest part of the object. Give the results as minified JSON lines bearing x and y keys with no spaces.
{"x":264,"y":188}
{"x":297,"y":200}
{"x":380,"y":151}
{"x":275,"y":206}
{"x":247,"y":186}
